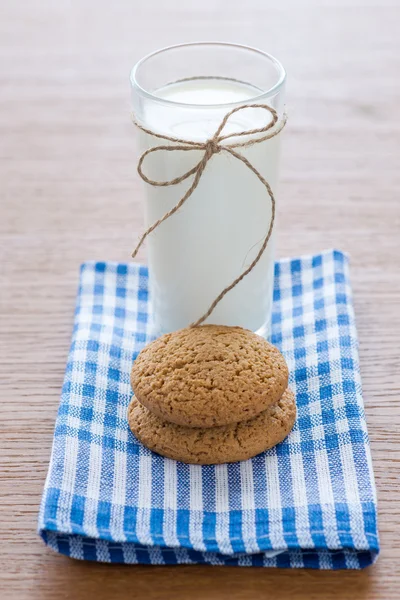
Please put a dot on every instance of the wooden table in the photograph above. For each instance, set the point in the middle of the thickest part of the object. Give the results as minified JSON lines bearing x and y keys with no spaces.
{"x":69,"y":192}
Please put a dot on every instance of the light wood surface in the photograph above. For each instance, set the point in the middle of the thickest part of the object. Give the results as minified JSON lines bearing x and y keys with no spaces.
{"x":69,"y":192}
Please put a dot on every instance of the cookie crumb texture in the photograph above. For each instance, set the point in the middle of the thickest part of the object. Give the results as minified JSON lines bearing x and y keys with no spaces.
{"x":209,"y":376}
{"x":207,"y":446}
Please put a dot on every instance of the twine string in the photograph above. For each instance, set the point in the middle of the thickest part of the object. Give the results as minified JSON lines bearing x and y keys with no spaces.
{"x":210,"y":147}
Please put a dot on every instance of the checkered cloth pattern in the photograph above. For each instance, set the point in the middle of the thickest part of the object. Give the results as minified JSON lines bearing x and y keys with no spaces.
{"x":308,"y":502}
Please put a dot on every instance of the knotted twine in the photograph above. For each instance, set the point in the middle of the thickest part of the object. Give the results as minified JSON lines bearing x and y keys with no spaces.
{"x":210,"y":147}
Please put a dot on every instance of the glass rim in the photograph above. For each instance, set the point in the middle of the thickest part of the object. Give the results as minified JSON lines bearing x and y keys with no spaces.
{"x":272,"y":91}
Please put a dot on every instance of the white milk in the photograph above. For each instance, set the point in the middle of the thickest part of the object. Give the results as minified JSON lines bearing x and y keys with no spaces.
{"x":202,"y":248}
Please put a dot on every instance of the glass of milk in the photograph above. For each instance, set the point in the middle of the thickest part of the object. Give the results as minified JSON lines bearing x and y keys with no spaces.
{"x":185,"y":91}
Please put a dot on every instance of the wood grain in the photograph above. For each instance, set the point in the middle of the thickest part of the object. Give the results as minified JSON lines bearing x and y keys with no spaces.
{"x":69,"y":192}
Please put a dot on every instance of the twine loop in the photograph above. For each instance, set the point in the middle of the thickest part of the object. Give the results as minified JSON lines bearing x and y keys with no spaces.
{"x":210,"y":147}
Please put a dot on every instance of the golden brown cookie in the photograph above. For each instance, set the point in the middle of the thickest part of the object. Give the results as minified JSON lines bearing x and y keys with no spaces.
{"x":230,"y":443}
{"x":209,"y":376}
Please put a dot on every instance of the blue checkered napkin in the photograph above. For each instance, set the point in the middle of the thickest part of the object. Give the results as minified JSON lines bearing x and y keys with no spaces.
{"x":309,"y":502}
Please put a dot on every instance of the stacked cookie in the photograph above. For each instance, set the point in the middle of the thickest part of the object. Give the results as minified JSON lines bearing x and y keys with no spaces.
{"x":210,"y":394}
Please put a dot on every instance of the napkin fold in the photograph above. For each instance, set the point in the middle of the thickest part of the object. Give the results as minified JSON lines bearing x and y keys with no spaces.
{"x":308,"y":502}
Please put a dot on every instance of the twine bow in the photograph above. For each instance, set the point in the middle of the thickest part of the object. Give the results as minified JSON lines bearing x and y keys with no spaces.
{"x":210,"y":147}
